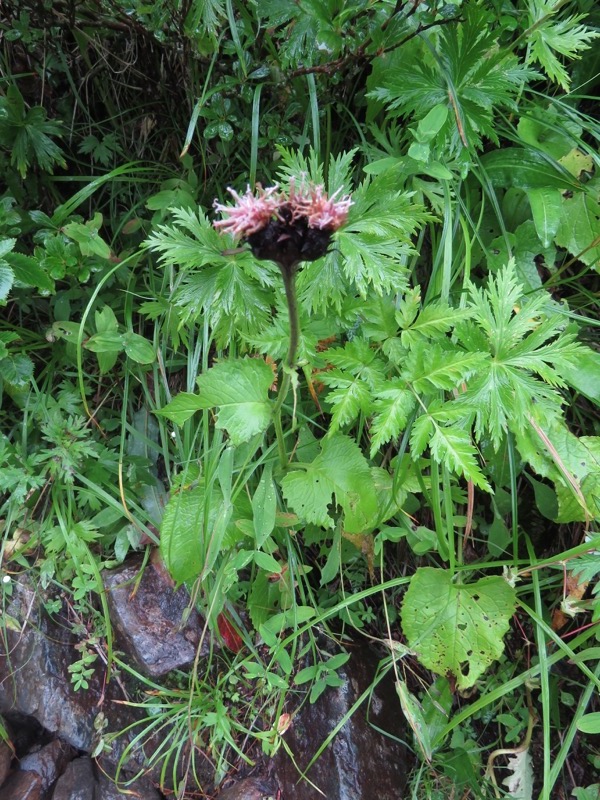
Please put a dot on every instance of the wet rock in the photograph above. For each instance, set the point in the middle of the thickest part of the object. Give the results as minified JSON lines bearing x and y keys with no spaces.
{"x":23,"y":786}
{"x":34,"y":677}
{"x":249,"y":789}
{"x":149,"y":621}
{"x":360,"y":763}
{"x":48,"y":762}
{"x":141,"y":788}
{"x":77,"y":782}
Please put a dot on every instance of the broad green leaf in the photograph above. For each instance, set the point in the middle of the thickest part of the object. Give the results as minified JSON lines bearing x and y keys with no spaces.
{"x":527,"y":250}
{"x":186,"y":526}
{"x":193,"y":531}
{"x":456,"y":628}
{"x":264,"y":506}
{"x":526,"y":169}
{"x":342,"y":471}
{"x":239,"y":388}
{"x":16,"y":369}
{"x":138,"y":348}
{"x":181,"y":408}
{"x":331,"y":568}
{"x":589,"y":723}
{"x":109,"y":342}
{"x":519,"y":783}
{"x":106,"y":320}
{"x":546,"y":208}
{"x":267,"y":562}
{"x":87,"y":237}
{"x":584,"y":376}
{"x":579,"y":231}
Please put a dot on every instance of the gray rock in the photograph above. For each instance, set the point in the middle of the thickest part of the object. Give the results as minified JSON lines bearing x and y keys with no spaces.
{"x":360,"y":763}
{"x":36,"y":693}
{"x":34,"y":677}
{"x":149,"y":622}
{"x":23,"y":786}
{"x":48,"y":762}
{"x":77,"y":782}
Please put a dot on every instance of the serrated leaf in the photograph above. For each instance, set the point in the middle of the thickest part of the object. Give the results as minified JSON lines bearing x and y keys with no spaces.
{"x":436,"y":318}
{"x":7,"y":277}
{"x":454,"y":627}
{"x":453,"y":447}
{"x":28,"y":272}
{"x":550,"y":37}
{"x":420,"y":435}
{"x":392,"y":407}
{"x":430,"y":367}
{"x":340,"y":470}
{"x":239,"y":388}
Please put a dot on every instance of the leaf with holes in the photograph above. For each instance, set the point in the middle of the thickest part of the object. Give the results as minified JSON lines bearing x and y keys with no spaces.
{"x":456,"y":628}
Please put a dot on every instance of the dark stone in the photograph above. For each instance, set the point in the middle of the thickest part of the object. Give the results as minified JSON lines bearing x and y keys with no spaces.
{"x":26,"y":732}
{"x":23,"y":786}
{"x":360,"y":763}
{"x":77,"y":782}
{"x":249,"y":789}
{"x":149,"y":622}
{"x":48,"y":762}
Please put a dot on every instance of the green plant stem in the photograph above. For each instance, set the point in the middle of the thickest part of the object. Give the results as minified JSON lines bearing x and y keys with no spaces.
{"x":289,"y":283}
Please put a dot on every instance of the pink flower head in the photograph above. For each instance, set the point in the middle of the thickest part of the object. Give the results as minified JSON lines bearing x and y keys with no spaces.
{"x":321,"y":211}
{"x":285,"y":228}
{"x":250,"y":213}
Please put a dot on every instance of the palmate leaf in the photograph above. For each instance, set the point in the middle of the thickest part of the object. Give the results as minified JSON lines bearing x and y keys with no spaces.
{"x":233,"y":290}
{"x":467,"y":68}
{"x":528,"y":348}
{"x":434,"y":319}
{"x":430,"y":366}
{"x":360,"y":369}
{"x":549,"y":36}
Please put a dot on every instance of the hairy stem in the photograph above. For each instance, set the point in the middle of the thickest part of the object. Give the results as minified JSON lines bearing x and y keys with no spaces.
{"x":288,"y":274}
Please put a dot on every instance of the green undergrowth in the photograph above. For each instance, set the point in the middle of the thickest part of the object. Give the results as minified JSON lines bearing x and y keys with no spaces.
{"x":420,"y":469}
